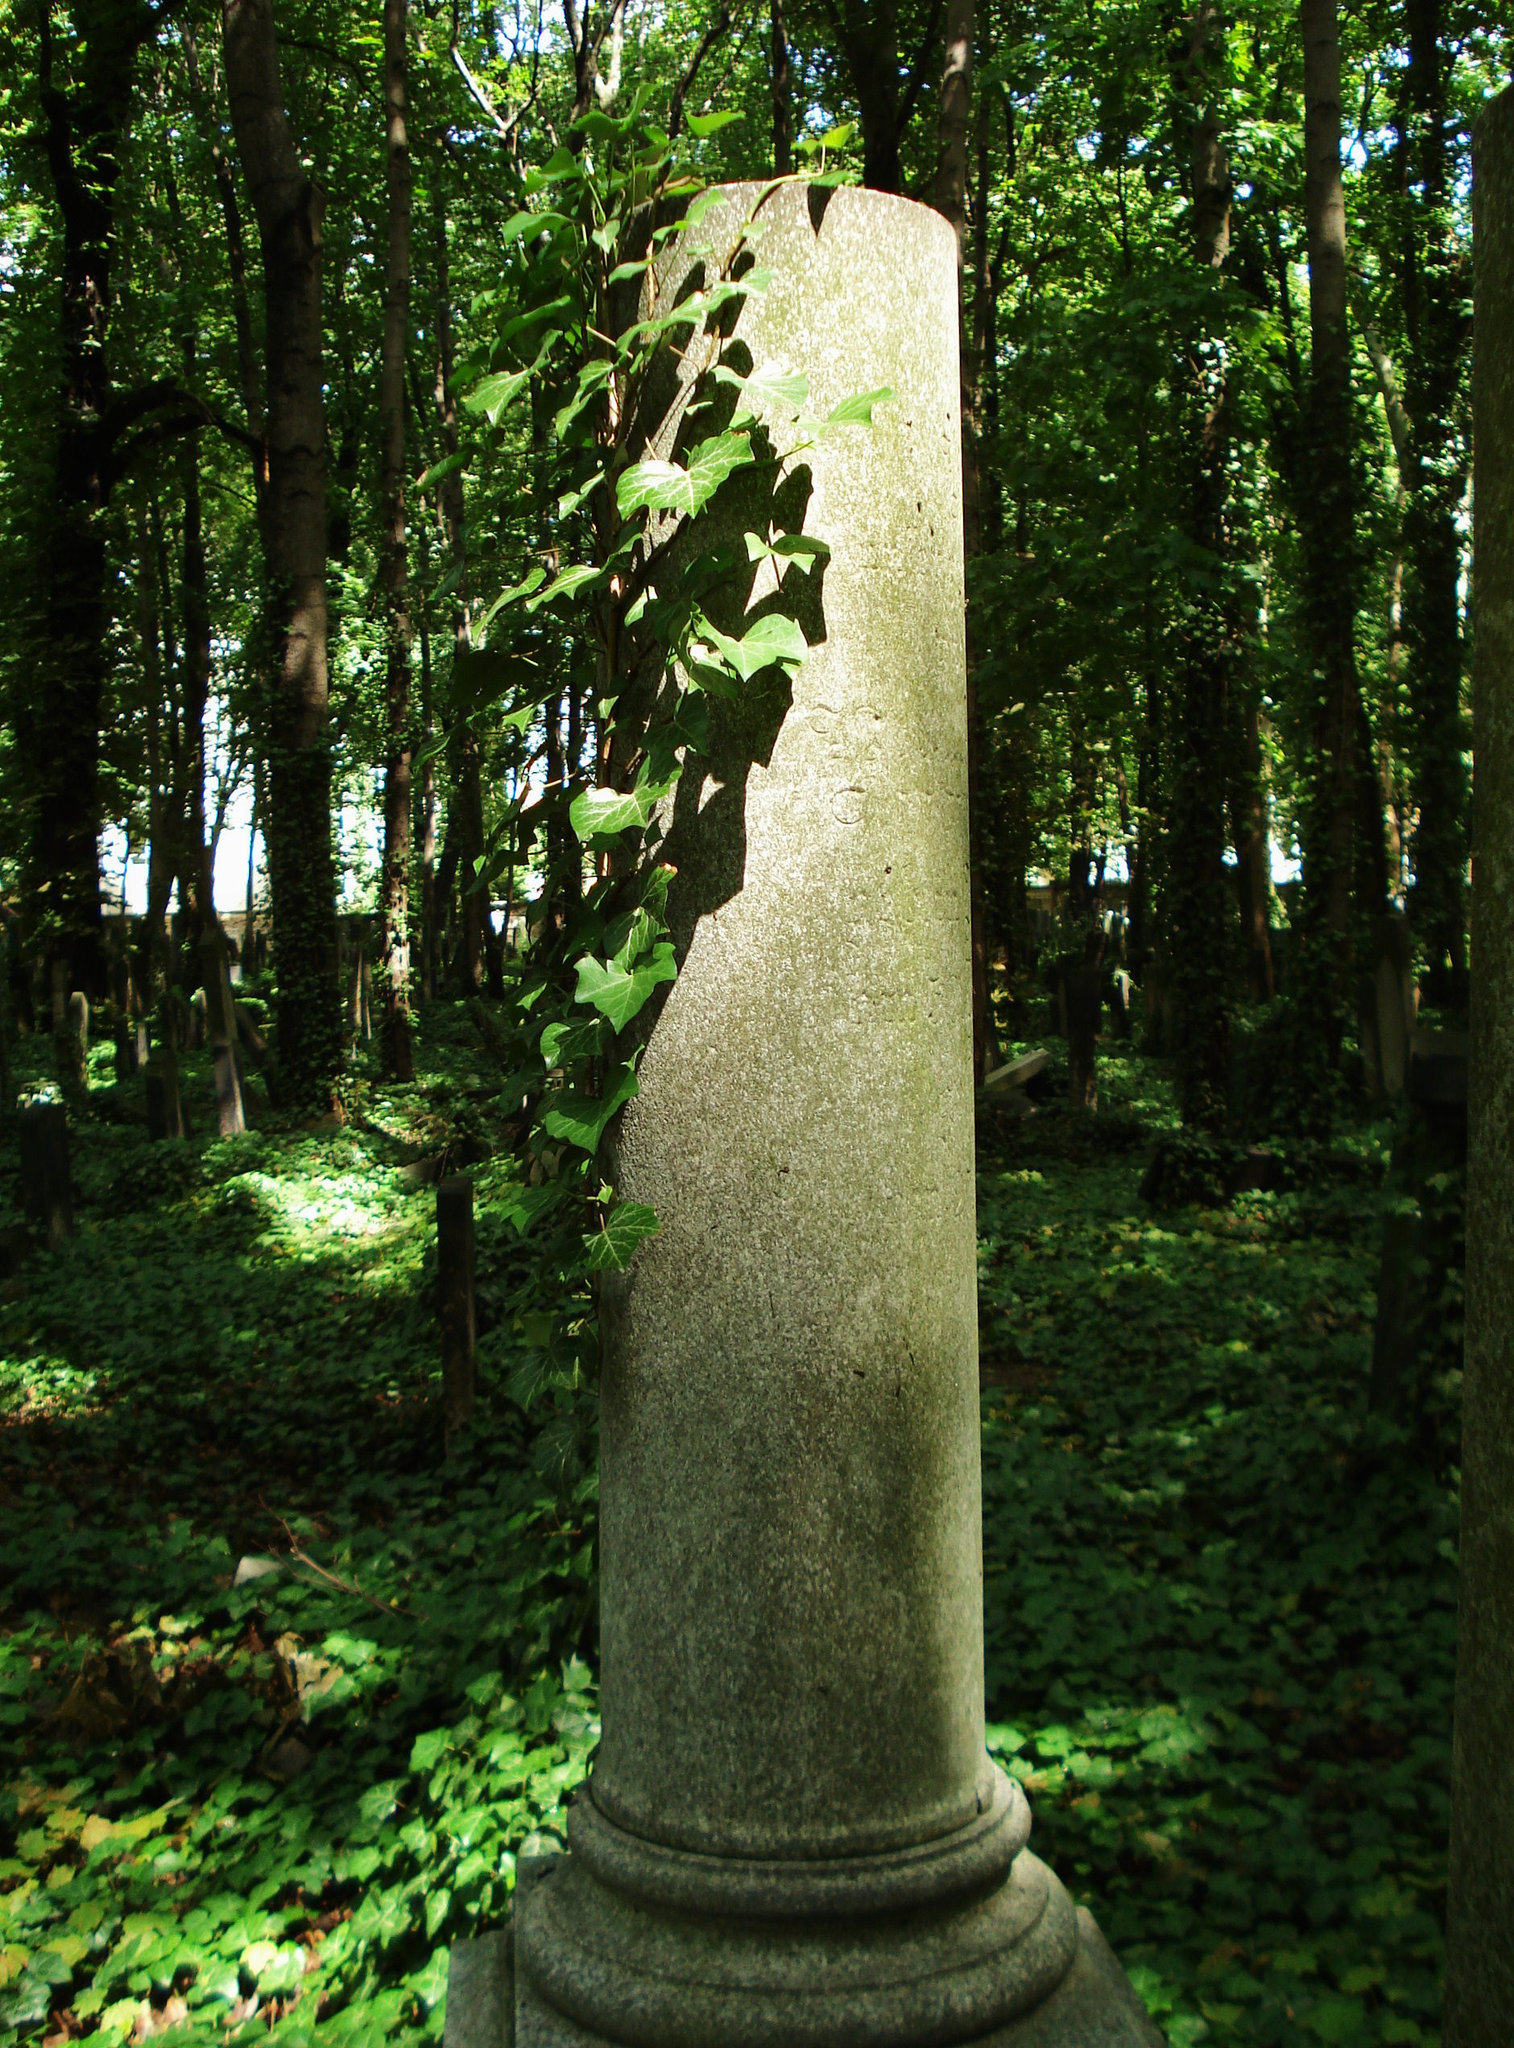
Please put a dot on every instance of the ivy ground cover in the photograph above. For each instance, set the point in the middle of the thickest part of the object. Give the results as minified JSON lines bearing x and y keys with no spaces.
{"x":285,"y":1686}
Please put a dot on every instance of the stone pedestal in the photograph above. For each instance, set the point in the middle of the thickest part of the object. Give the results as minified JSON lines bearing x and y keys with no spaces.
{"x":793,"y":1836}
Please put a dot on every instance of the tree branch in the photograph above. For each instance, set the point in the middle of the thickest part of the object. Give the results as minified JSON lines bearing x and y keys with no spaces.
{"x":685,"y":84}
{"x":920,"y":70}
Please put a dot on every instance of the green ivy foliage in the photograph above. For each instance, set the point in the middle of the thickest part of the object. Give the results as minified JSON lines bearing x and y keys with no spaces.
{"x":1220,"y":1604}
{"x":286,"y":1685}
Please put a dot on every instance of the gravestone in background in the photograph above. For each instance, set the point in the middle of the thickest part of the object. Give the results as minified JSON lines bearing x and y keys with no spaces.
{"x":793,"y":1834}
{"x":1480,"y":1897}
{"x":71,"y":1044}
{"x":221,"y":1032}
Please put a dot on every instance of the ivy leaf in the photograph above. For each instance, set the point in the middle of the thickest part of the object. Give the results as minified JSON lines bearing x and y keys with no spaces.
{"x":592,"y":379}
{"x":833,"y":138}
{"x":668,"y":487}
{"x":496,"y":394}
{"x":482,"y":675}
{"x":580,"y":1119}
{"x":571,"y":500}
{"x":569,"y":1040}
{"x":769,"y":386}
{"x":596,"y":813}
{"x":526,"y":1206}
{"x":530,"y":224}
{"x":426,"y":1748}
{"x":858,"y":409}
{"x":613,"y":1246}
{"x":448,"y":466}
{"x":773,"y":640}
{"x":532,"y":580}
{"x":802,"y":549}
{"x":568,"y":584}
{"x":618,"y":992}
{"x":701,"y":125}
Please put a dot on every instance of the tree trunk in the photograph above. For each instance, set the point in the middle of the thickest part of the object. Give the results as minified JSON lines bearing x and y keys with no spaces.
{"x":783,"y":106}
{"x":1200,"y":919}
{"x":951,"y":201}
{"x":1250,"y":837}
{"x":249,"y":374}
{"x":1479,"y":1953}
{"x":199,"y":852}
{"x":1333,"y":812}
{"x":393,"y":569}
{"x":249,"y":913}
{"x":1435,"y":286}
{"x":298,"y":832}
{"x":885,"y":90}
{"x":465,"y":824}
{"x":58,"y":731}
{"x":426,"y":832}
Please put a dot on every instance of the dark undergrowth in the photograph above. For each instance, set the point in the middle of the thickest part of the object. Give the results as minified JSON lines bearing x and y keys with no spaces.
{"x":284,"y":1688}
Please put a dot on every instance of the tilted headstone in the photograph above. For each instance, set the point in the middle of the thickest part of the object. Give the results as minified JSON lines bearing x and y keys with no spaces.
{"x":47,"y":1189}
{"x":1480,"y":1894}
{"x":793,"y":1833}
{"x":71,"y":1044}
{"x":1121,"y":989}
{"x":221,"y":1031}
{"x":359,"y":981}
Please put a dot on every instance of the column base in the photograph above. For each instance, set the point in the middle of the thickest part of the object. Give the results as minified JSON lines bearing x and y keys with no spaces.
{"x":652,"y":1979}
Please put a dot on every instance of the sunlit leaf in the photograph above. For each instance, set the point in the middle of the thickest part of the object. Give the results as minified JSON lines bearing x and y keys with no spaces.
{"x":496,"y":394}
{"x":579,"y":1119}
{"x":612,"y":1247}
{"x":617,"y":992}
{"x":670,"y":487}
{"x":701,"y":125}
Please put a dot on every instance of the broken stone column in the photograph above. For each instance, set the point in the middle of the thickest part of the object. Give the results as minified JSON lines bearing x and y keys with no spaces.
{"x":1480,"y":1895}
{"x":793,"y":1834}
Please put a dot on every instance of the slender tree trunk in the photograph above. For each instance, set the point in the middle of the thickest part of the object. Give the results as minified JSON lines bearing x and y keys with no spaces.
{"x":1251,"y":839}
{"x":885,"y":88}
{"x":249,"y":370}
{"x":249,"y":914}
{"x":200,"y":853}
{"x":1480,"y":1876}
{"x":954,"y":109}
{"x":783,"y":106}
{"x":428,"y":825}
{"x":1333,"y":816}
{"x":466,"y":806}
{"x":1435,"y":288}
{"x":155,"y":969}
{"x":1200,"y":918}
{"x":300,"y":867}
{"x":393,"y":569}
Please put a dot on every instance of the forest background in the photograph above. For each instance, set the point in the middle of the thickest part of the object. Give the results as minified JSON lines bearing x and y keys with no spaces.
{"x":311,"y":492}
{"x":1216,"y":337}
